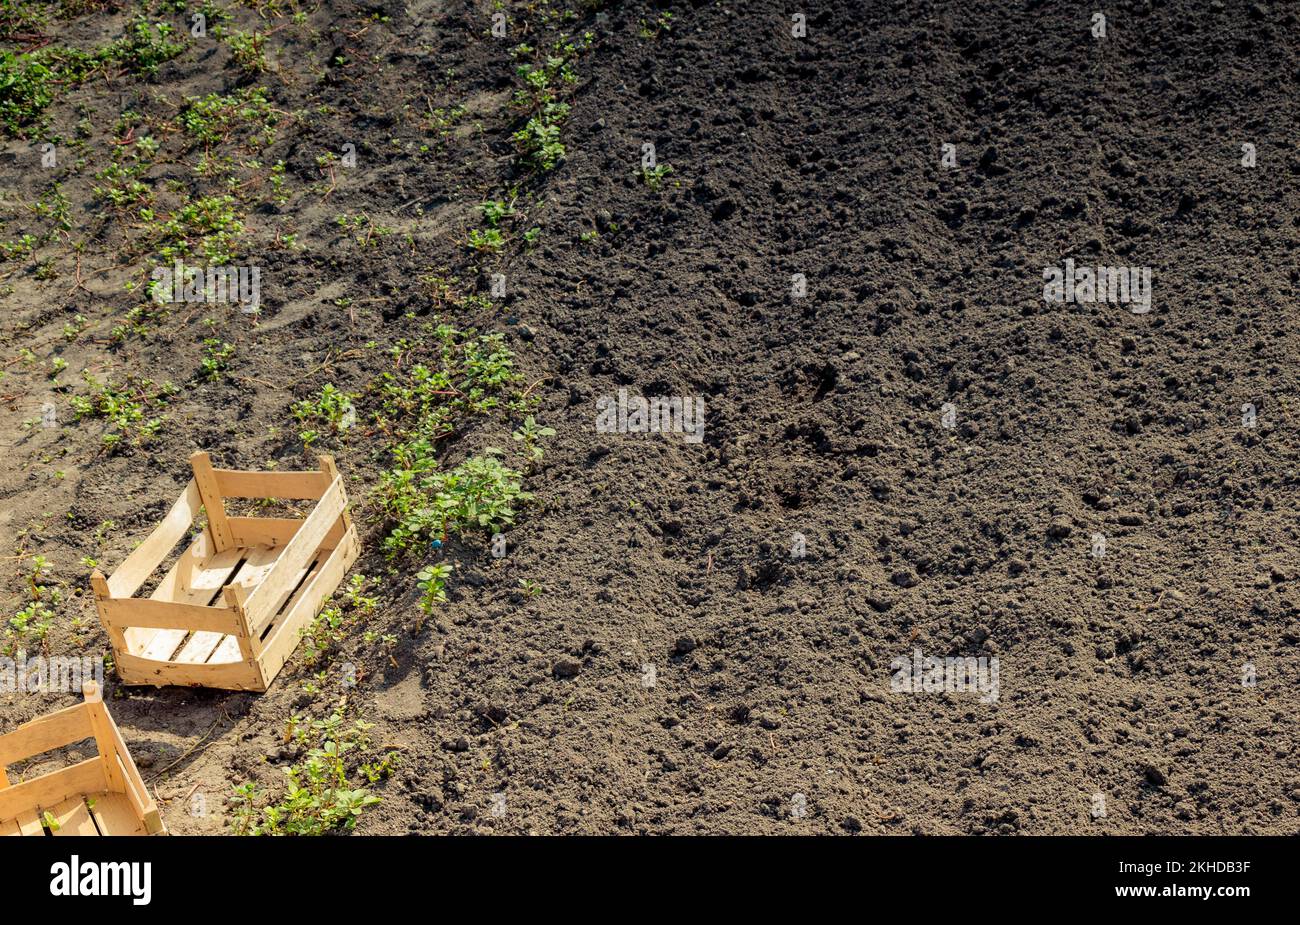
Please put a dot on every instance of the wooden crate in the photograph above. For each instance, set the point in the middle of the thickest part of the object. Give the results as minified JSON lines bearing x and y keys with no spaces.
{"x":104,"y":795}
{"x":228,"y":613}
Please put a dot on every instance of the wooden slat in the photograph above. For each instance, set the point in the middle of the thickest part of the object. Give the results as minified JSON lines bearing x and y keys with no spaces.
{"x":206,"y":479}
{"x":137,"y":793}
{"x":200,"y":648}
{"x":52,"y":789}
{"x":300,"y":550}
{"x":264,"y":531}
{"x":277,"y":531}
{"x":166,"y":615}
{"x":10,"y":828}
{"x":198,"y":575}
{"x":194,"y":580}
{"x":226,"y":651}
{"x":29,"y":823}
{"x":139,"y":565}
{"x":106,"y":734}
{"x":258,"y":563}
{"x":250,"y":574}
{"x":73,"y":818}
{"x":298,"y":486}
{"x":114,"y":814}
{"x":345,"y":520}
{"x":284,"y":638}
{"x":54,"y":730}
{"x":234,"y":676}
{"x":301,"y":582}
{"x":99,"y":589}
{"x":138,"y":638}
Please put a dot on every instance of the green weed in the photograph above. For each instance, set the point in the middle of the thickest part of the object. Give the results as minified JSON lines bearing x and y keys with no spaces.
{"x":216,"y":358}
{"x":653,"y":177}
{"x":124,"y":407}
{"x":539,"y":139}
{"x":216,"y":118}
{"x":529,"y":434}
{"x":318,"y":797}
{"x":432,"y":581}
{"x":478,"y":494}
{"x":332,"y":410}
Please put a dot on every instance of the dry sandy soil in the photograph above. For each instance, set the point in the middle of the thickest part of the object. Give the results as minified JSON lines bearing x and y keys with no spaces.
{"x":947,"y":443}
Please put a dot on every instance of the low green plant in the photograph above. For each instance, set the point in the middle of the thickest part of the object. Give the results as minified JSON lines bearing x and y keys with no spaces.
{"x":494,"y":210}
{"x":248,"y":50}
{"x":217,"y":355}
{"x":432,"y":581}
{"x":145,"y":47}
{"x":318,"y":797}
{"x":31,"y":624}
{"x":25,"y":246}
{"x":471,"y":377}
{"x":123,"y":185}
{"x":375,"y":771}
{"x":17,"y":16}
{"x":653,"y":177}
{"x":332,"y":411}
{"x":529,"y":434}
{"x":487,"y":239}
{"x":422,"y":407}
{"x":478,"y":494}
{"x":31,"y":81}
{"x":217,"y":118}
{"x":363,"y":228}
{"x":215,"y":16}
{"x":27,"y":86}
{"x":210,"y":226}
{"x":124,"y":406}
{"x":72,"y":329}
{"x":322,"y":638}
{"x":539,"y":139}
{"x":529,"y":587}
{"x":661,"y":23}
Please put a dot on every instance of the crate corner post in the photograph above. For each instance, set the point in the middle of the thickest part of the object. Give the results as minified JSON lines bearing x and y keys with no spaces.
{"x":205,"y":477}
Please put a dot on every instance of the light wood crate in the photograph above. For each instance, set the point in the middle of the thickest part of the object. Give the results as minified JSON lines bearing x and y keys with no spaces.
{"x":229,"y":613}
{"x":104,"y":795}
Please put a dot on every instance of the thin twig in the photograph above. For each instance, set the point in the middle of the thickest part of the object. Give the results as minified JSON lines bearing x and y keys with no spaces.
{"x":191,"y":749}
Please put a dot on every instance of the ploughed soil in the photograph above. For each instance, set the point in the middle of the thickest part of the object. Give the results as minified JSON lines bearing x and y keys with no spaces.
{"x":674,"y":666}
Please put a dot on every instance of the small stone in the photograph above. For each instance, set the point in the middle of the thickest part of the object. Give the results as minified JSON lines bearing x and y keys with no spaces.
{"x":904,"y":578}
{"x":566,"y":668}
{"x":1060,"y":528}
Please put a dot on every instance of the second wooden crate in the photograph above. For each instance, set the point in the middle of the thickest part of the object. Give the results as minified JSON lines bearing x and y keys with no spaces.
{"x":229,"y":613}
{"x":103,"y":795}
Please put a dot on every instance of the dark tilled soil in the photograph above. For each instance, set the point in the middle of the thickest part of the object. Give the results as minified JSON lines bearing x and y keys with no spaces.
{"x":771,"y":709}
